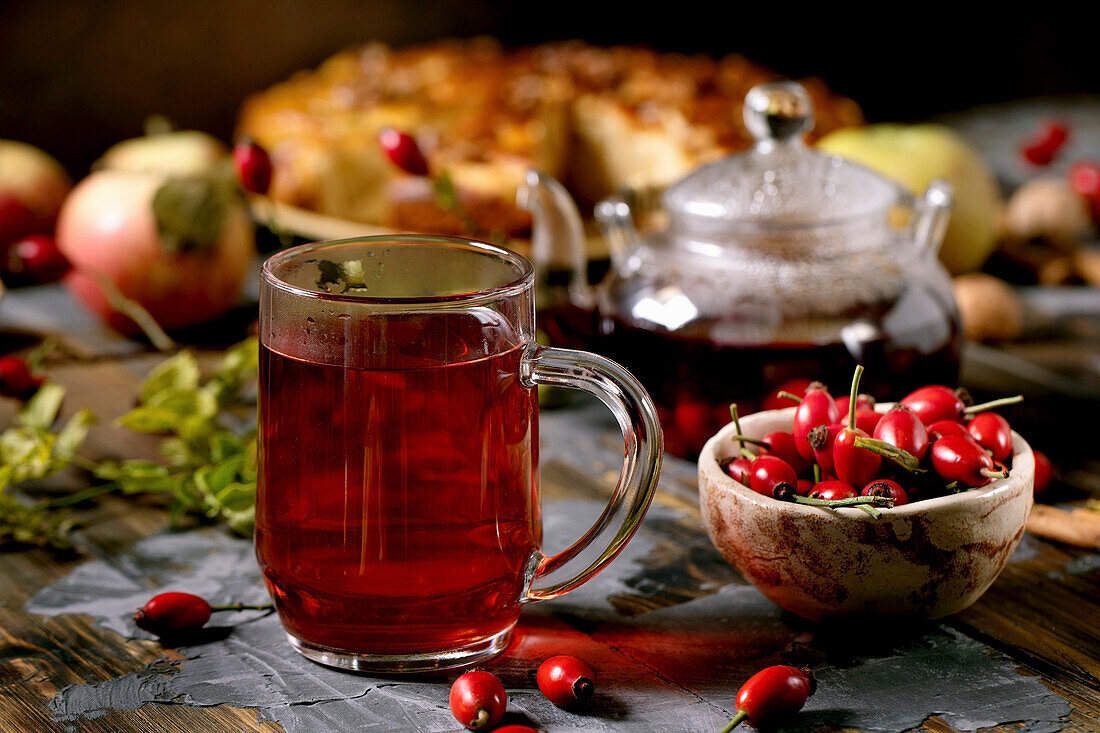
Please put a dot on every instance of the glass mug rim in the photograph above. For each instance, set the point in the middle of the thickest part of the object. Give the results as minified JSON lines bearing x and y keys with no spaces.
{"x":522,"y":280}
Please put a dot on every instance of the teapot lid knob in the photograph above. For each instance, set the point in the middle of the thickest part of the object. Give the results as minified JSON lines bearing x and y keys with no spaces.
{"x":779,"y":110}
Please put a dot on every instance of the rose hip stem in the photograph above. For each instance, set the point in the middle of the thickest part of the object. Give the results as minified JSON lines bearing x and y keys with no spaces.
{"x":133,"y":310}
{"x":789,"y":396}
{"x":900,"y":456}
{"x":785,"y":492}
{"x":741,"y":439}
{"x":746,"y":439}
{"x":243,"y":607}
{"x":993,"y":404}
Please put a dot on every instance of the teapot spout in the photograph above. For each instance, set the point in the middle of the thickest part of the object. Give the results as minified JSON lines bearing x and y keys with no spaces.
{"x":557,"y":234}
{"x":931,"y":215}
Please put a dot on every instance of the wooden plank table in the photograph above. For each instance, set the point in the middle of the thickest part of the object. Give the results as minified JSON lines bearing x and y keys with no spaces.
{"x":671,"y":629}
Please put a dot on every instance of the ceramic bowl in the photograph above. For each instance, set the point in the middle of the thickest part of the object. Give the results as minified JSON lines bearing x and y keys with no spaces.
{"x":927,"y":559}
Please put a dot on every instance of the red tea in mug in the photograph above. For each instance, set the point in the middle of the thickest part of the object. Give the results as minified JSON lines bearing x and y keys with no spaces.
{"x":398,"y":524}
{"x":400,"y":507}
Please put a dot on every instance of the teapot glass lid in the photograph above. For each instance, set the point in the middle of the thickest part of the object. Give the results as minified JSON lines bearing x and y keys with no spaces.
{"x":780,"y":182}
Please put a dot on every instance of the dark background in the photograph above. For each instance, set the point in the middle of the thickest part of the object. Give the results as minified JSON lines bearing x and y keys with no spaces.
{"x":77,"y":76}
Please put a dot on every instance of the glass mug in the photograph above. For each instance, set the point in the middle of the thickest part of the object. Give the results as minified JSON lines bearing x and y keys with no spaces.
{"x":397,"y":518}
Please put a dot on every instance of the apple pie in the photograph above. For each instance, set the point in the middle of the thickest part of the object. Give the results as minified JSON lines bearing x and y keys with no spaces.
{"x":601,"y":120}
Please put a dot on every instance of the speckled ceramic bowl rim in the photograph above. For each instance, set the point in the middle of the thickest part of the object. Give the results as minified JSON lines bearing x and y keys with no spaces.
{"x":1023,"y":463}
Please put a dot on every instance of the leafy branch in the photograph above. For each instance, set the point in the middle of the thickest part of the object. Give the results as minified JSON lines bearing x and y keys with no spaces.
{"x":210,"y":466}
{"x":31,"y":451}
{"x":208,"y":447}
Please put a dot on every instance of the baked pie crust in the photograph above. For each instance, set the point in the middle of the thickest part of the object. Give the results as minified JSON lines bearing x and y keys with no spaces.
{"x":601,"y":120}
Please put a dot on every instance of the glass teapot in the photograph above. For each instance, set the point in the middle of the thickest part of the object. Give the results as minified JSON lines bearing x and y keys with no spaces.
{"x":775,"y":264}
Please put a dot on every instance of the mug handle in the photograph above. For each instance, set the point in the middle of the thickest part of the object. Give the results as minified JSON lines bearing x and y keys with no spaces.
{"x":637,"y":417}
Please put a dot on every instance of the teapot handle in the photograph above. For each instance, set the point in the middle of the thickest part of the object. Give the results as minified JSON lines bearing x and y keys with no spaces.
{"x":930,"y":216}
{"x":557,"y":234}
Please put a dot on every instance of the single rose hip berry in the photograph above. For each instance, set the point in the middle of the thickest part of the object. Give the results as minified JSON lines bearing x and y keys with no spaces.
{"x":738,"y":469}
{"x":943,"y":428}
{"x":566,"y":681}
{"x":170,"y":614}
{"x":816,"y":408}
{"x":992,"y":432}
{"x":867,"y":420}
{"x":34,"y":260}
{"x":693,"y":421}
{"x":781,"y":444}
{"x":822,"y":438}
{"x":936,"y":402}
{"x":901,"y":428}
{"x":403,"y":151}
{"x":772,"y":694}
{"x":886,"y":488}
{"x":854,"y":465}
{"x":832,"y":490}
{"x":253,"y":167}
{"x":768,"y":471}
{"x":961,"y":459}
{"x":1047,"y":141}
{"x":16,"y":379}
{"x":16,"y":220}
{"x":478,"y":699}
{"x":1044,"y":471}
{"x":863,"y":402}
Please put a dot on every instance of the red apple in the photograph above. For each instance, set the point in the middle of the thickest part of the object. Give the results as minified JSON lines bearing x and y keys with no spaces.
{"x":32,"y":187}
{"x":107,"y":226}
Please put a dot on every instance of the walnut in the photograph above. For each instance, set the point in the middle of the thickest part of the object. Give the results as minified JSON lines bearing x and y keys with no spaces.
{"x":1049,"y":210}
{"x":989,"y":307}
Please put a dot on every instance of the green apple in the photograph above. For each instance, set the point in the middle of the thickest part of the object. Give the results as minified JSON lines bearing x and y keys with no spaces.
{"x":914,"y":156}
{"x":175,"y":153}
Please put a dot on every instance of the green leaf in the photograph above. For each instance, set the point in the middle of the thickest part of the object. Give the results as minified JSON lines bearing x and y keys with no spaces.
{"x":176,"y":451}
{"x":41,"y":410}
{"x":70,"y":437}
{"x":241,"y":361}
{"x":147,"y":419}
{"x":169,"y":410}
{"x":242,"y":521}
{"x":22,"y":524}
{"x":350,"y":274}
{"x":181,"y":372}
{"x":28,"y":451}
{"x":139,"y":476}
{"x":190,"y":212}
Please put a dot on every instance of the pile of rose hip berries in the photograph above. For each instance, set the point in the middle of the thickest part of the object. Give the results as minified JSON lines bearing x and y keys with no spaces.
{"x":843,"y":452}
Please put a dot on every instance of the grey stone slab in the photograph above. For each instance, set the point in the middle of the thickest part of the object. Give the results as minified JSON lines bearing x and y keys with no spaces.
{"x":675,"y":668}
